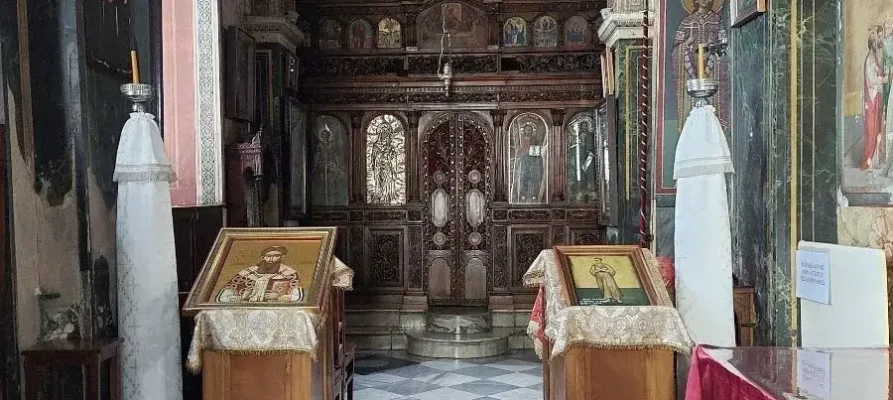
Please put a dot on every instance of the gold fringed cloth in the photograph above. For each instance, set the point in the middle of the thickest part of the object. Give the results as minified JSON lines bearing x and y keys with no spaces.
{"x":608,"y":327}
{"x":261,"y":331}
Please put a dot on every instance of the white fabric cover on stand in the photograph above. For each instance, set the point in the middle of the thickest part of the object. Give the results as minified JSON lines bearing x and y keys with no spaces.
{"x":703,"y":240}
{"x":148,"y":306}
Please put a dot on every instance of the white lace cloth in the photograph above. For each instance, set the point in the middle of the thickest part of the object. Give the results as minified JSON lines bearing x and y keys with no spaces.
{"x":261,"y":331}
{"x":629,"y":327}
{"x":703,"y":241}
{"x":149,"y":324}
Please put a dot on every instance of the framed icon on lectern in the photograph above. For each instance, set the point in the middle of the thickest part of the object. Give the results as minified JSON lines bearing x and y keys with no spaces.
{"x":265,"y":267}
{"x":610,"y":276}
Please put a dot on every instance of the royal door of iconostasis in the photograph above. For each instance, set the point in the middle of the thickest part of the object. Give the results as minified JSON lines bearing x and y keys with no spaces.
{"x":457,"y":181}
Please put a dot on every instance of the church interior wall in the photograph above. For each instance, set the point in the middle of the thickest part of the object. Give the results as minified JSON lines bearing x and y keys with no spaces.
{"x":63,"y":136}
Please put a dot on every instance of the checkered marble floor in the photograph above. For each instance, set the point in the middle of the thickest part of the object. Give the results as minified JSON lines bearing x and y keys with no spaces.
{"x":515,"y":376}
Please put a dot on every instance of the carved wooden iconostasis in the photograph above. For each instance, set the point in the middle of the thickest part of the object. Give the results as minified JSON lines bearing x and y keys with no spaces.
{"x":445,"y":197}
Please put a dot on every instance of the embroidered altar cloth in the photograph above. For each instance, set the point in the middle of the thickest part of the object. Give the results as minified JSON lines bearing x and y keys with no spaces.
{"x":261,"y":331}
{"x":614,"y":327}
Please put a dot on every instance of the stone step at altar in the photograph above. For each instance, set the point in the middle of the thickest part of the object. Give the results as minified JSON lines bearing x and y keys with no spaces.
{"x":458,"y":320}
{"x":465,"y":345}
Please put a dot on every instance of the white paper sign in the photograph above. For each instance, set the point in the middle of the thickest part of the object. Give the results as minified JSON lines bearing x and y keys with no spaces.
{"x":813,"y":276}
{"x":814,"y":373}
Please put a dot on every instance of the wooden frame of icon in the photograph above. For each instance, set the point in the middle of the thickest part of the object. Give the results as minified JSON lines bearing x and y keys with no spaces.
{"x":743,"y":11}
{"x":610,"y":276}
{"x":265,"y":267}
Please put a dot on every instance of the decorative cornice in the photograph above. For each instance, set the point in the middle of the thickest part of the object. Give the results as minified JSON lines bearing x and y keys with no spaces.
{"x":459,"y":94}
{"x":621,"y":25}
{"x":279,"y":30}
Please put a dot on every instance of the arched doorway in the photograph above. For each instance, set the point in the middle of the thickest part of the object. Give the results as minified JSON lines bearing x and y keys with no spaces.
{"x":456,"y":175}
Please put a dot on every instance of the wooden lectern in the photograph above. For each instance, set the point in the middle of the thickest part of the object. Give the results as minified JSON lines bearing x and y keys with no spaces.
{"x":261,"y":297}
{"x":609,"y":361}
{"x":293,"y":376}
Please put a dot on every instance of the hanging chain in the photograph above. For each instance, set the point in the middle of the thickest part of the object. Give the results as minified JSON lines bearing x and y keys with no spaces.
{"x":644,"y":101}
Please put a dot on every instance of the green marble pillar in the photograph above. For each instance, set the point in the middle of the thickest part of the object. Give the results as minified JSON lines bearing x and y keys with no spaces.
{"x":783,"y":139}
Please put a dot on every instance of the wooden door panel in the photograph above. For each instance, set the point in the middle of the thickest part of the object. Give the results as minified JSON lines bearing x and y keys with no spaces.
{"x":457,"y":198}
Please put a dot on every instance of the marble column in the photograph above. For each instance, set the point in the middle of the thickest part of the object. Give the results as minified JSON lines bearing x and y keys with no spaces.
{"x":784,"y":147}
{"x":621,"y":31}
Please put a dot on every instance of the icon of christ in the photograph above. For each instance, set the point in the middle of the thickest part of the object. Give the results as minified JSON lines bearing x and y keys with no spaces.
{"x":268,"y":281}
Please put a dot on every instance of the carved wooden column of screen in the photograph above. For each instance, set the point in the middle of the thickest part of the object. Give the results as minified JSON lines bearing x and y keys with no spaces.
{"x":457,"y":196}
{"x":358,"y":166}
{"x":499,"y":156}
{"x":412,"y":157}
{"x":558,"y":146}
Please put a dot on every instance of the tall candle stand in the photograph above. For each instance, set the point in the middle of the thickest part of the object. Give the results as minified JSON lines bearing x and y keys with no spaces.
{"x":138,"y":94}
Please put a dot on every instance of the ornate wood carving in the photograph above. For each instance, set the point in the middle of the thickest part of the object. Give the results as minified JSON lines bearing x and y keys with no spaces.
{"x":357,"y":259}
{"x":529,"y":215}
{"x":385,"y":215}
{"x":559,"y":146}
{"x":527,"y":244}
{"x":352,"y":67}
{"x":330,"y":216}
{"x":558,"y":63}
{"x":472,"y":64}
{"x":587,"y":215}
{"x":412,"y":156}
{"x":403,"y":96}
{"x":416,"y":258}
{"x":587,"y":236}
{"x":500,"y":257}
{"x":499,"y":174}
{"x":385,"y":249}
{"x":559,"y":214}
{"x":357,"y":216}
{"x":358,"y":161}
{"x":500,"y":215}
{"x":457,"y":196}
{"x":559,"y":235}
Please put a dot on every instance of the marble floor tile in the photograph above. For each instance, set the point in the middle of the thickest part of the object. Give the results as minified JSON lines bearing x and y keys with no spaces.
{"x":518,"y":379}
{"x":516,"y":376}
{"x":409,"y":387}
{"x":482,"y":371}
{"x":375,"y":394}
{"x":484,"y":387}
{"x":520,"y":394}
{"x":447,"y":379}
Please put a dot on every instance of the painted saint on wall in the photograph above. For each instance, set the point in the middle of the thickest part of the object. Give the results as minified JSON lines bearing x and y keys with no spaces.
{"x":529,"y":156}
{"x":360,"y":33}
{"x":702,"y":25}
{"x":390,"y":35}
{"x":545,"y":32}
{"x":867,"y":103}
{"x":466,"y":25}
{"x":329,"y":34}
{"x":328,"y":164}
{"x":582,"y":162}
{"x":385,"y":161}
{"x":576,"y":32}
{"x":514,"y":33}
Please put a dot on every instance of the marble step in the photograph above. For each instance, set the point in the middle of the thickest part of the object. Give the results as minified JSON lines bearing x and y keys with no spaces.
{"x":466,"y":345}
{"x":458,"y":320}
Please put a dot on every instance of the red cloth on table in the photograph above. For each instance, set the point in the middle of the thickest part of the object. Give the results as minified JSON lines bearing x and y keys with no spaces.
{"x":708,"y":379}
{"x":537,"y":321}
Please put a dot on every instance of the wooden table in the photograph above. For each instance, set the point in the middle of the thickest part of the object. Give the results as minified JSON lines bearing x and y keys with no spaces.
{"x":89,"y":354}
